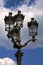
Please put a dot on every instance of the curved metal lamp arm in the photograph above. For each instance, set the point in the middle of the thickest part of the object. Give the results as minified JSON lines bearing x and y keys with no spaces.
{"x":18,"y":46}
{"x":28,"y":42}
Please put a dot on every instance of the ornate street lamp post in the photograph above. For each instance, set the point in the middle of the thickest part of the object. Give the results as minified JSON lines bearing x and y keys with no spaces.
{"x":13,"y":25}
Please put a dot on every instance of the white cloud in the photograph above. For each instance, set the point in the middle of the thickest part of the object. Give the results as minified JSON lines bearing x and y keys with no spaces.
{"x":2,"y":3}
{"x":7,"y":61}
{"x":39,"y":4}
{"x":27,"y":12}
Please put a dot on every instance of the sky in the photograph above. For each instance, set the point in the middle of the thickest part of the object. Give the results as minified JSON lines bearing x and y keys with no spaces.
{"x":33,"y":52}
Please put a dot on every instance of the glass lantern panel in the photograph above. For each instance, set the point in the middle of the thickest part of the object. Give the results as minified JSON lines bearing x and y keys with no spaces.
{"x":32,"y":30}
{"x":6,"y":27}
{"x":19,"y":19}
{"x":11,"y":27}
{"x":9,"y":22}
{"x":19,"y":24}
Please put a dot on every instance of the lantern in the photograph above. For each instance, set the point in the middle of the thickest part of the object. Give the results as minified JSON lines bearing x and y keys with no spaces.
{"x":9,"y":22}
{"x":33,"y":27}
{"x":19,"y":19}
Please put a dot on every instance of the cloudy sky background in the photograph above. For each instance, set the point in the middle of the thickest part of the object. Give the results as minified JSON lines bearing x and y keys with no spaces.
{"x":30,"y":8}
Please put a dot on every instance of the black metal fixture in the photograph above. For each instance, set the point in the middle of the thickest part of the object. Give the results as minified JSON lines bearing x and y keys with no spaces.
{"x":13,"y":25}
{"x":33,"y":28}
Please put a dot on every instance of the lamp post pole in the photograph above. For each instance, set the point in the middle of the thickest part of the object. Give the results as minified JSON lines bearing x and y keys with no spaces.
{"x":14,"y":32}
{"x":19,"y":55}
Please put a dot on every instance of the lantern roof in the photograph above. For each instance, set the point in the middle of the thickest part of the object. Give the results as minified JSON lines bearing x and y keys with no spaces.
{"x":9,"y":18}
{"x":33,"y":23}
{"x":19,"y":15}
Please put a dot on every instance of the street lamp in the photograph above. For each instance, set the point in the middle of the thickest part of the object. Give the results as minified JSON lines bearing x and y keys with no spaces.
{"x":9,"y":23}
{"x":15,"y":23}
{"x":33,"y":28}
{"x":19,"y":19}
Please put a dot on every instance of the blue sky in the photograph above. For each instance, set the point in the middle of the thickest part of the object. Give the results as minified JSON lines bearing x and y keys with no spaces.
{"x":33,"y":52}
{"x":16,"y":3}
